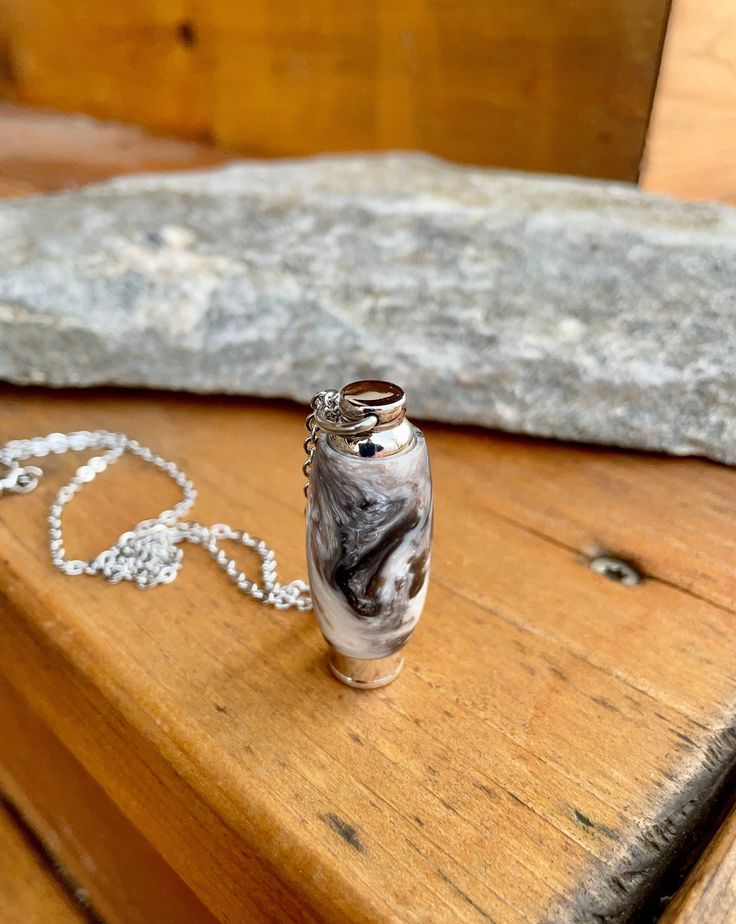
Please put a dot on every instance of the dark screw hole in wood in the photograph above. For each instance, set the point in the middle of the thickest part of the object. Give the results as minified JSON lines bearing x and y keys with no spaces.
{"x":616,"y":569}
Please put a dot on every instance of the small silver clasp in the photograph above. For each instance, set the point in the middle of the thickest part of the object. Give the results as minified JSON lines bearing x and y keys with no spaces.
{"x":344,"y":428}
{"x":19,"y":479}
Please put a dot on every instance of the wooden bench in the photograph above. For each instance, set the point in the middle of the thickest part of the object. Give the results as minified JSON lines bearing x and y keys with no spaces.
{"x":30,"y":891}
{"x":560,"y":746}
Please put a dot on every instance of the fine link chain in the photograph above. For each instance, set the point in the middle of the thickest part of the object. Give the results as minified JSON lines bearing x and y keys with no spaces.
{"x":328,"y":404}
{"x":150,"y":554}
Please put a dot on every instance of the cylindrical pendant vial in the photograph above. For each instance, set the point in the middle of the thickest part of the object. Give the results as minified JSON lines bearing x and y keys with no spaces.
{"x":369,"y":534}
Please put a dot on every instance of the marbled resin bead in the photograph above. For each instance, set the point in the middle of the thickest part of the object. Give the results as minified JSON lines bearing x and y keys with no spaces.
{"x":369,"y":532}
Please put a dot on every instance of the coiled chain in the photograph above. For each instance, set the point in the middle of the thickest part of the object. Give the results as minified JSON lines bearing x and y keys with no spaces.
{"x":150,"y":554}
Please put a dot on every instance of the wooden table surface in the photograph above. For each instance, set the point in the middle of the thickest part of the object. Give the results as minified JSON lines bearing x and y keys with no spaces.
{"x":29,"y":891}
{"x":709,"y":894}
{"x":558,"y":744}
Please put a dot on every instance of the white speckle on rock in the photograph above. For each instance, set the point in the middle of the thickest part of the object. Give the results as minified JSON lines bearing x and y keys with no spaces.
{"x":570,"y":330}
{"x":177,"y":237}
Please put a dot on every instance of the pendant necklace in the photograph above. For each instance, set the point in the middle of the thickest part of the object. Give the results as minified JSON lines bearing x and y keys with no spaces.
{"x":369,"y":526}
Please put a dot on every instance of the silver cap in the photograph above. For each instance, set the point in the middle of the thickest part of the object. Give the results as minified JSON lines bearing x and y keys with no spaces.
{"x":391,"y":434}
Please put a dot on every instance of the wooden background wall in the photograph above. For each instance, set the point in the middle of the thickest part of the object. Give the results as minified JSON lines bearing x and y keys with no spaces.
{"x":692,"y":133}
{"x":564,"y":85}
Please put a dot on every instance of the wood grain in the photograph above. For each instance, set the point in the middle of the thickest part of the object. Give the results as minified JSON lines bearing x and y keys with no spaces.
{"x":47,"y":151}
{"x":29,"y":891}
{"x":709,"y":895}
{"x":691,"y":149}
{"x":508,"y":86}
{"x":551,"y":741}
{"x":123,"y":877}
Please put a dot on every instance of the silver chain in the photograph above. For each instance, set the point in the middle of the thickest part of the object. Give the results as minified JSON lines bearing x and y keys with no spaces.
{"x":150,"y":553}
{"x":328,"y":403}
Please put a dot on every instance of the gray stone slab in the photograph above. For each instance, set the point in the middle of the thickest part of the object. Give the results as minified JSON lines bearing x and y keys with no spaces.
{"x":560,"y":307}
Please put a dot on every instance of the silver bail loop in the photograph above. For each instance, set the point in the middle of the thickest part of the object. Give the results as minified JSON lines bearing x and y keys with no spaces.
{"x":363,"y":425}
{"x":329,"y":415}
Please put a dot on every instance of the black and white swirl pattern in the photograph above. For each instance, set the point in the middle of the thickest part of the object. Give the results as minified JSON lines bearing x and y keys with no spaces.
{"x":369,"y":532}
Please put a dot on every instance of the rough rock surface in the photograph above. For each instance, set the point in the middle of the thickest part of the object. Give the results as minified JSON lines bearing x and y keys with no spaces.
{"x":567,"y":308}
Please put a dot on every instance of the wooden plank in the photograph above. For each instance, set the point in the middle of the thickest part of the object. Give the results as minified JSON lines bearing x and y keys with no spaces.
{"x":512,"y":86}
{"x":30,"y":893}
{"x":46,"y":151}
{"x":709,"y":894}
{"x":551,"y":741}
{"x":691,"y":150}
{"x":123,"y":876}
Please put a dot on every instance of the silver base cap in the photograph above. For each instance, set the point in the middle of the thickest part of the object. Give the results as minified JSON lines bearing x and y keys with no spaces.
{"x":365,"y":673}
